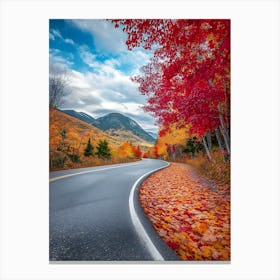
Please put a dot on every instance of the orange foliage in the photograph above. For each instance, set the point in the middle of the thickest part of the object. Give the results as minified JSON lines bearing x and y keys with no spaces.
{"x":125,"y":150}
{"x":191,"y":216}
{"x":172,"y":136}
{"x":149,"y":153}
{"x":77,"y":132}
{"x":65,"y":146}
{"x":128,"y":151}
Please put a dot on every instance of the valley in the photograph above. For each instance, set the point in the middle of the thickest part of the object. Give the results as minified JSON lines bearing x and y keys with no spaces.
{"x":71,"y":132}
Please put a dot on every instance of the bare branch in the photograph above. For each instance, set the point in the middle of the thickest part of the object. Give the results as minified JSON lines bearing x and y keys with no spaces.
{"x":59,"y":80}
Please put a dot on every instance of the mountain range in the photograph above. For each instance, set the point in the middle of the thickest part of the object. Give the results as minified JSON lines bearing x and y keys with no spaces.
{"x":154,"y":135}
{"x":79,"y":115}
{"x":114,"y":124}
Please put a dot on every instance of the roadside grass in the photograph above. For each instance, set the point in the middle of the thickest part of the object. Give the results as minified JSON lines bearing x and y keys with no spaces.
{"x":217,"y":171}
{"x":89,"y":162}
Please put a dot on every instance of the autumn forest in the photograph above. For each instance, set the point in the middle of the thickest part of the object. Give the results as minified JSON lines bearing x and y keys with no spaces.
{"x":186,"y":88}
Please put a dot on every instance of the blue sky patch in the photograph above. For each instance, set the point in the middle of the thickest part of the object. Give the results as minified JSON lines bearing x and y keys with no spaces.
{"x":95,"y":54}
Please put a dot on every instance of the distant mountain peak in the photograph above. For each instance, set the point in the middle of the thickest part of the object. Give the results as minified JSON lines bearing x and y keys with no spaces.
{"x":118,"y":121}
{"x":113,"y":122}
{"x":79,"y":115}
{"x":154,"y":135}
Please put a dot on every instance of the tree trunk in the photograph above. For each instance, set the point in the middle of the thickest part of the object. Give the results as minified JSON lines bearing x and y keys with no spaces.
{"x":220,"y":142}
{"x":224,"y":130}
{"x":227,"y":104}
{"x":209,"y":140}
{"x":206,"y":148}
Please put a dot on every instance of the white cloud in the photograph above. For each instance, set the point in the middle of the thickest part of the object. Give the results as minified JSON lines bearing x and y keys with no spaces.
{"x":135,"y":59}
{"x":54,"y":52}
{"x":107,"y":86}
{"x":107,"y":90}
{"x":51,"y":36}
{"x":56,"y":33}
{"x":56,"y":58}
{"x":69,"y":41}
{"x":88,"y":57}
{"x":106,"y":37}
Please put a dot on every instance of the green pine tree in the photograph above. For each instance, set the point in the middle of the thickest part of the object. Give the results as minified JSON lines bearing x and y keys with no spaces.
{"x":193,"y":146}
{"x":103,"y":151}
{"x":89,"y":149}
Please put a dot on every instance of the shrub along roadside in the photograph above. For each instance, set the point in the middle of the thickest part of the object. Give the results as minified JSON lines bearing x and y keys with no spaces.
{"x":62,"y":162}
{"x":216,"y":171}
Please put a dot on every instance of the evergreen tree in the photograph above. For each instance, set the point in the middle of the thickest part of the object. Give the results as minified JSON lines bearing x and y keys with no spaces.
{"x":103,"y":151}
{"x":89,"y":149}
{"x":193,"y":146}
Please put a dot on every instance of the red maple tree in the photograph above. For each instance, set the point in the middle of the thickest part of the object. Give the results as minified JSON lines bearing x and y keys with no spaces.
{"x":188,"y":78}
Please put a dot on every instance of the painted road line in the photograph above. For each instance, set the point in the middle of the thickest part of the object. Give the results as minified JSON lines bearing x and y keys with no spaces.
{"x":89,"y":171}
{"x":143,"y":235}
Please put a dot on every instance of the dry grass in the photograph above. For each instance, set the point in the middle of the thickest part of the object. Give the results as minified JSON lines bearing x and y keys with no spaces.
{"x":90,"y":162}
{"x":217,"y":171}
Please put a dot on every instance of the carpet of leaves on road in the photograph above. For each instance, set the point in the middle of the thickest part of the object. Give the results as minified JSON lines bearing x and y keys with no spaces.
{"x":189,"y":215}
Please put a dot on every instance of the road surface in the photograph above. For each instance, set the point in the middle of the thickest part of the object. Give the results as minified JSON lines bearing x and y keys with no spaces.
{"x":95,"y":215}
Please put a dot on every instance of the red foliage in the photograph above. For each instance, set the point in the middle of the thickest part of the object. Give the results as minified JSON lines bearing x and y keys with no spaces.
{"x":188,"y":76}
{"x":192,"y":217}
{"x":137,"y":152}
{"x":155,"y":148}
{"x":172,"y":245}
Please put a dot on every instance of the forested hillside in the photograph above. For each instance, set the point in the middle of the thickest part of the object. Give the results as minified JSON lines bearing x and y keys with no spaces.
{"x":75,"y":143}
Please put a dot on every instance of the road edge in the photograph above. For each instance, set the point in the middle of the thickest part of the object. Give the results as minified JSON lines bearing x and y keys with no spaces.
{"x":103,"y":167}
{"x":157,"y":248}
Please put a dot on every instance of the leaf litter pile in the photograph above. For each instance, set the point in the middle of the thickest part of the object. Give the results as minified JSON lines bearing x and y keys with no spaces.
{"x":192,"y":217}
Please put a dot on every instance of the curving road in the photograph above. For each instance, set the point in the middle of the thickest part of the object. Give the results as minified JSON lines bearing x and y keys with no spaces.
{"x":95,"y":215}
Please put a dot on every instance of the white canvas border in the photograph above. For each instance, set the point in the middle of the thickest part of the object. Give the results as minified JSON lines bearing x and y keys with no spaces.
{"x":24,"y":138}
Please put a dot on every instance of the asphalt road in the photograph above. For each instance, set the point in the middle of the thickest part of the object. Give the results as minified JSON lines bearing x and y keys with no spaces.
{"x":95,"y":215}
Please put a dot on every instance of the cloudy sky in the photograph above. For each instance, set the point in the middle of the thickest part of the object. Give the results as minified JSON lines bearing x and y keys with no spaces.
{"x":96,"y":54}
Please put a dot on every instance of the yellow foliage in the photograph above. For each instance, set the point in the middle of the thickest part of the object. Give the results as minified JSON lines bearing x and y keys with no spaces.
{"x":77,"y":132}
{"x":125,"y":150}
{"x":174,"y":136}
{"x":75,"y":141}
